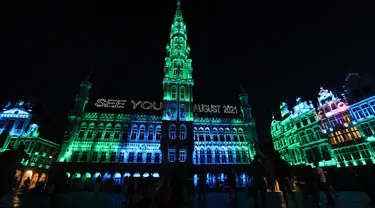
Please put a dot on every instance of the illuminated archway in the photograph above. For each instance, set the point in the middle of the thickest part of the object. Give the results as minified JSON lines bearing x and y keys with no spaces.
{"x":145,"y":175}
{"x":97,"y":174}
{"x":43,"y":178}
{"x":196,"y":178}
{"x":26,"y":175}
{"x":86,"y":176}
{"x":34,"y":180}
{"x":155,"y":175}
{"x":68,"y":174}
{"x":76,"y":176}
{"x":211,"y":180}
{"x":136,"y":175}
{"x":117,"y":178}
{"x":107,"y":176}
{"x":127,"y":175}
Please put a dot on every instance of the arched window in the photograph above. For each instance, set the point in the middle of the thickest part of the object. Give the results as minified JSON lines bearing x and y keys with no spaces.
{"x":207,"y":134}
{"x":238,"y":156}
{"x":201,"y":136}
{"x":217,"y":156}
{"x":240,"y":134}
{"x":141,"y":132}
{"x":134,"y":132}
{"x":150,"y":133}
{"x":196,"y":156}
{"x":223,"y":156}
{"x":158,"y":133}
{"x":108,"y":131}
{"x":216,"y":135}
{"x":227,"y":135}
{"x":182,"y":131}
{"x":174,"y":92}
{"x":195,"y":134}
{"x":82,"y":131}
{"x":91,"y":130}
{"x":202,"y":156}
{"x":221,"y":134}
{"x":230,"y":156}
{"x":172,"y":131}
{"x":182,"y":92}
{"x":235,"y":136}
{"x":99,"y":134}
{"x":209,"y":156}
{"x":117,"y":131}
{"x":245,"y":155}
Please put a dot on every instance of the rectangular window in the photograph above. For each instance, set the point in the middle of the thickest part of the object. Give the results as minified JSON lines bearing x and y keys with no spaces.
{"x":238,"y":156}
{"x":107,"y":135}
{"x":209,"y":157}
{"x":84,"y":156}
{"x":75,"y":156}
{"x":157,"y":158}
{"x":182,"y":155}
{"x":217,"y":157}
{"x":148,"y":157}
{"x":103,"y":157}
{"x":223,"y":157}
{"x":171,"y":155}
{"x":305,"y":122}
{"x":113,"y":156}
{"x":122,"y":157}
{"x":139,"y":157}
{"x":94,"y":157}
{"x":347,"y":135}
{"x":131,"y":157}
{"x":355,"y":132}
{"x":20,"y":124}
{"x":99,"y":135}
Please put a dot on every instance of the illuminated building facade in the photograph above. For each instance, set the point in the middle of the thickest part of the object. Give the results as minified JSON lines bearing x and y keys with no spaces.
{"x":335,"y":134}
{"x":116,"y":145}
{"x":20,"y":132}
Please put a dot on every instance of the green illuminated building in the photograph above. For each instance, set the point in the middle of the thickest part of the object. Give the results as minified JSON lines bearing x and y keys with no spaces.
{"x":340,"y":132}
{"x":117,"y":144}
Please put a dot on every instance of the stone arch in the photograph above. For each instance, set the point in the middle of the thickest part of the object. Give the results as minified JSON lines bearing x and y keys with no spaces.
{"x":42,"y":178}
{"x":117,"y":177}
{"x":34,"y":180}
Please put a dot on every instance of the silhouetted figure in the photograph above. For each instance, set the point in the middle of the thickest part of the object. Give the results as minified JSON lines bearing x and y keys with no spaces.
{"x":258,"y":185}
{"x":232,"y":184}
{"x":201,"y":185}
{"x":283,"y":177}
{"x":322,"y":183}
{"x":308,"y":184}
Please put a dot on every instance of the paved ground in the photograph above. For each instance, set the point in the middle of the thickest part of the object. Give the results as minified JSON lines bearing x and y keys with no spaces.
{"x":215,"y":200}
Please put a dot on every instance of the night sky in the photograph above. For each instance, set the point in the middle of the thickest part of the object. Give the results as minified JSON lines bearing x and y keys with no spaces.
{"x":278,"y":50}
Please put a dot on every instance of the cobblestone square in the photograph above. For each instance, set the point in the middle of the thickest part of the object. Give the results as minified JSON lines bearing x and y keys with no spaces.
{"x":216,"y":200}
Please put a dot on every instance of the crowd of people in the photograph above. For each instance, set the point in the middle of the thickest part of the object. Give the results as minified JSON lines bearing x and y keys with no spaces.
{"x":267,"y":173}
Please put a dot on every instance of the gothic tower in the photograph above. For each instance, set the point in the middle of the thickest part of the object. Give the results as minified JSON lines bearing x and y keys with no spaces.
{"x":177,"y":142}
{"x":249,"y":121}
{"x":75,"y":117}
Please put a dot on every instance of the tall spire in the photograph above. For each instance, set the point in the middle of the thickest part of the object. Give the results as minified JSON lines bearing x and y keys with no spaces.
{"x":178,"y":14}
